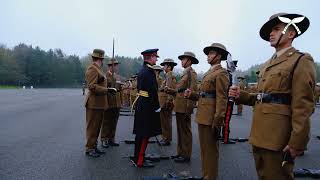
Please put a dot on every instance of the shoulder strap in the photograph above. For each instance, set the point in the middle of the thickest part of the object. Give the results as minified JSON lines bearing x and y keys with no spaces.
{"x":296,"y":64}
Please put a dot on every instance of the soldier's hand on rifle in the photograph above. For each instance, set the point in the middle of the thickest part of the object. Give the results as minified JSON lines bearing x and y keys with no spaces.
{"x":187,"y":93}
{"x":234,"y":91}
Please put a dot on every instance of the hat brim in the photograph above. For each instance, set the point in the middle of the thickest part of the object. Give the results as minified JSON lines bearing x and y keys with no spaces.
{"x":92,"y":55}
{"x":267,"y":27}
{"x":164,"y":63}
{"x":113,"y":63}
{"x":193,"y":59}
{"x":223,"y":52}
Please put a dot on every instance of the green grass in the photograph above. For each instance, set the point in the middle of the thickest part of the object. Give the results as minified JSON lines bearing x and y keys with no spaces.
{"x":9,"y":87}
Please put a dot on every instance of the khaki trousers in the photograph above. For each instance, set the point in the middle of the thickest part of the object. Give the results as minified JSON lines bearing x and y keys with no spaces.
{"x":209,"y":147}
{"x":239,"y":108}
{"x":166,"y":124}
{"x":109,"y":124}
{"x":94,"y":119}
{"x":184,"y":134}
{"x":269,"y":165}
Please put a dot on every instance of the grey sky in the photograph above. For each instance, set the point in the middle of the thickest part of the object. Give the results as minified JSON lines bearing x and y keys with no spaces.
{"x":173,"y":26}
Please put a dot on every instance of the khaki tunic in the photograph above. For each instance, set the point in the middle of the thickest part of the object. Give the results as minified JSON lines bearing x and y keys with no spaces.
{"x":276,"y":125}
{"x":133,"y":91}
{"x":210,"y":114}
{"x":184,"y":108}
{"x":166,"y":104}
{"x":95,"y":102}
{"x":181,"y":104}
{"x":111,"y":115}
{"x":290,"y":124}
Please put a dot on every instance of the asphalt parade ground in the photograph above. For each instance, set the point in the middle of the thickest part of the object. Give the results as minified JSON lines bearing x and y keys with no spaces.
{"x":42,"y":137}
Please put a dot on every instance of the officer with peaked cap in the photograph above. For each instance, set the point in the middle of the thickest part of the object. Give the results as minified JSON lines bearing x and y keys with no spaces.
{"x":111,"y":115}
{"x":96,"y":102}
{"x":166,"y":101}
{"x":147,"y":108}
{"x":285,"y":99}
{"x":212,"y":104}
{"x":184,"y":107}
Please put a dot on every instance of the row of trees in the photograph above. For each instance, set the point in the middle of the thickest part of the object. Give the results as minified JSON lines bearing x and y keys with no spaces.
{"x":27,"y":65}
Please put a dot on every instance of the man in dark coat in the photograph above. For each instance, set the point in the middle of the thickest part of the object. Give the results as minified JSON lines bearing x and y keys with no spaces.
{"x":147,"y":109}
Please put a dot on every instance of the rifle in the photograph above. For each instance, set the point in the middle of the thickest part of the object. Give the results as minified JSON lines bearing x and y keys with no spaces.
{"x":231,"y":68}
{"x":112,"y":60}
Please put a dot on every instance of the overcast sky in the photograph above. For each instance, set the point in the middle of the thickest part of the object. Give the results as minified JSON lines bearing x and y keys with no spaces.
{"x":173,"y":26}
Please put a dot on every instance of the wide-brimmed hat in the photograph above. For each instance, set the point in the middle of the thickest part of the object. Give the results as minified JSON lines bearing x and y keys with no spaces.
{"x":168,"y":61}
{"x":220,"y":48}
{"x":113,"y":61}
{"x":98,"y":53}
{"x":157,"y":68}
{"x":190,"y":55}
{"x":299,"y":22}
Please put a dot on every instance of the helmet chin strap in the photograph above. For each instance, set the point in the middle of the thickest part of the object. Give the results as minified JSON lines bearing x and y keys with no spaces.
{"x":279,"y":39}
{"x":213,"y":58}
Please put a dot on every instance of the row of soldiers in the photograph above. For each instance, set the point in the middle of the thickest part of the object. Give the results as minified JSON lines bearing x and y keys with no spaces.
{"x":283,"y":102}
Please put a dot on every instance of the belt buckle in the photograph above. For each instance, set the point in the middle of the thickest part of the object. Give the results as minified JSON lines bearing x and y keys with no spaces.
{"x":260,"y":97}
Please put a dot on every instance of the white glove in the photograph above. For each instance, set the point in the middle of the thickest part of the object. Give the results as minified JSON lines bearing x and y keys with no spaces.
{"x":158,"y":110}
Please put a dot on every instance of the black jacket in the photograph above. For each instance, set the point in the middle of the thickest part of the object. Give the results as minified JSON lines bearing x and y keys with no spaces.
{"x":146,"y":120}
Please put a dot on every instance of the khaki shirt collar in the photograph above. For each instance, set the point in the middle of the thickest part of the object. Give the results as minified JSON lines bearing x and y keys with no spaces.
{"x":281,"y":52}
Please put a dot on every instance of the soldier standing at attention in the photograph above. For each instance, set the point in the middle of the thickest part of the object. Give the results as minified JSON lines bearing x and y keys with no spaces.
{"x":242,"y":86}
{"x":285,"y":99}
{"x":147,"y":108}
{"x":111,"y":115}
{"x":166,"y":101}
{"x":95,"y":102}
{"x":184,"y":107}
{"x":212,"y":106}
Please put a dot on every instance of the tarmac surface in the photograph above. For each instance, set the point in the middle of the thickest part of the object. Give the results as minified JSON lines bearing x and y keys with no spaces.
{"x":42,"y":137}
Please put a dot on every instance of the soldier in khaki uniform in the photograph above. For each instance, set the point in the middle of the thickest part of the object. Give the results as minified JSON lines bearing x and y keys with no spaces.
{"x":212,"y":104}
{"x":184,"y":107}
{"x":95,"y":102}
{"x":133,"y":89}
{"x":285,"y":99}
{"x":242,"y":86}
{"x":111,"y":115}
{"x":166,"y":101}
{"x":158,"y":70}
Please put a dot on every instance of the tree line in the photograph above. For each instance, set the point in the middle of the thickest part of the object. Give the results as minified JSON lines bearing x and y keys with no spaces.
{"x":24,"y":65}
{"x":32,"y":66}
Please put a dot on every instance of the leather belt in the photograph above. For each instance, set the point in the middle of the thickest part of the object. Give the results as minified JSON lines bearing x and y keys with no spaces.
{"x":208,"y":95}
{"x":274,"y":98}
